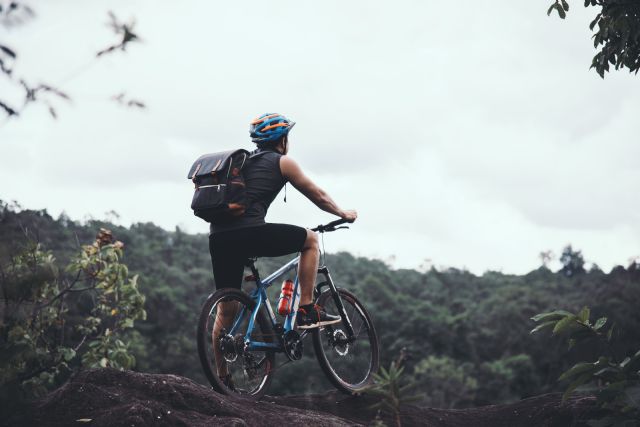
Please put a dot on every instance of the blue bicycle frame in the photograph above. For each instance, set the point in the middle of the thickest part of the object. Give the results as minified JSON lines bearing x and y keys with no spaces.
{"x":259,"y":295}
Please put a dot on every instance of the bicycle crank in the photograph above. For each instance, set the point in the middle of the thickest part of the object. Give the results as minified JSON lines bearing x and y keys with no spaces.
{"x":292,"y":344}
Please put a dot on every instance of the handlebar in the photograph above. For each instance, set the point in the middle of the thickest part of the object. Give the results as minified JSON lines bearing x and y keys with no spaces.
{"x":332,"y":226}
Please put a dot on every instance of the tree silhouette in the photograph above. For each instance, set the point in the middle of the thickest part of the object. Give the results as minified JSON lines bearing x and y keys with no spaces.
{"x":618,"y":33}
{"x":16,"y":13}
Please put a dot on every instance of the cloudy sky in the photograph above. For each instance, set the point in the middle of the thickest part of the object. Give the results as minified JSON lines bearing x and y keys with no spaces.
{"x":471,"y":134}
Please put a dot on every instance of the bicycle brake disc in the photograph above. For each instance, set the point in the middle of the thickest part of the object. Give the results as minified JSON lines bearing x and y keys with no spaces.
{"x":340,"y":342}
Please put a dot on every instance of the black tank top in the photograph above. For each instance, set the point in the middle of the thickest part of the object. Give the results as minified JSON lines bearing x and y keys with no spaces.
{"x":264,"y":181}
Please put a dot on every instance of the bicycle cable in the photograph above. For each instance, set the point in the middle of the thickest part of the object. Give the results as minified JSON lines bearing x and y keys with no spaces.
{"x":323,"y":252}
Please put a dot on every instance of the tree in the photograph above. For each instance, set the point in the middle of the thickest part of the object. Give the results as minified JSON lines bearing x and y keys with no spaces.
{"x":52,"y":323}
{"x":17,"y":13}
{"x":618,"y":33}
{"x":615,"y":382}
{"x":572,"y":261}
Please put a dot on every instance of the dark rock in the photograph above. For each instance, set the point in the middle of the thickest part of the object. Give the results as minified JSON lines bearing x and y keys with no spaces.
{"x":108,"y":397}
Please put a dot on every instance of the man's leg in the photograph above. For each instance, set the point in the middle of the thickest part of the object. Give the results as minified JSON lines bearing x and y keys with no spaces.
{"x":228,"y":266}
{"x":225,"y":314}
{"x":309,"y":314}
{"x":281,"y":239}
{"x":308,"y":267}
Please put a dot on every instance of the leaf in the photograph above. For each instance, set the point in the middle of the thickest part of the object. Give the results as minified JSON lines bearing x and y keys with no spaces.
{"x":10,"y":111}
{"x":600,"y":323}
{"x":564,"y":324}
{"x":582,"y":379}
{"x":553,"y":6}
{"x":543,"y":325}
{"x":632,"y":362}
{"x":565,"y":5}
{"x":68,"y":353}
{"x":610,"y":332}
{"x":8,"y":51}
{"x":602,"y":371}
{"x":84,"y":420}
{"x":412,"y":399}
{"x":578,"y":368}
{"x":556,"y":314}
{"x":595,"y":21}
{"x":583,"y":315}
{"x":561,"y":12}
{"x":103,"y":362}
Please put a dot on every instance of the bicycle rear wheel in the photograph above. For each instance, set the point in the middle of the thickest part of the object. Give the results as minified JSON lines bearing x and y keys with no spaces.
{"x":348,"y":365}
{"x":230,"y":367}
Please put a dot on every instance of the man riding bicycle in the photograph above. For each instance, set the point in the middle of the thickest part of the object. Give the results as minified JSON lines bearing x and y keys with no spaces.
{"x":247,"y":236}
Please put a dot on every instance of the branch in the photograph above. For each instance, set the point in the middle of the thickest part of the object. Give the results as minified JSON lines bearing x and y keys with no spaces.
{"x":39,"y":307}
{"x":76,"y":348}
{"x":10,"y":111}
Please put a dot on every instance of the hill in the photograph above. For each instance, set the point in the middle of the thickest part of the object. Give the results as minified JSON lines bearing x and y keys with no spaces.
{"x":468,"y":334}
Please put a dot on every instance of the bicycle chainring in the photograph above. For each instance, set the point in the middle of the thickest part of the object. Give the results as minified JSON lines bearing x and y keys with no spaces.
{"x":292,"y":345}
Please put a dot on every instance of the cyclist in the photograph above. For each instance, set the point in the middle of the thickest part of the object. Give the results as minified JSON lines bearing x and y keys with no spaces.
{"x":250,"y":236}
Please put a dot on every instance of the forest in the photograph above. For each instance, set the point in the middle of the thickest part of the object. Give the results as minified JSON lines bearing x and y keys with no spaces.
{"x":466,"y":336}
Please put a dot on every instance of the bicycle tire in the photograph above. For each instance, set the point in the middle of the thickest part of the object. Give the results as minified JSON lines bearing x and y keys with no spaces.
{"x":205,"y":344}
{"x":326,"y":357}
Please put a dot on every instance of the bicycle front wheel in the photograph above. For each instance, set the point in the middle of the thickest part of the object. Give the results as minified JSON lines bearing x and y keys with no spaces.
{"x":229,"y":365}
{"x":348,"y":364}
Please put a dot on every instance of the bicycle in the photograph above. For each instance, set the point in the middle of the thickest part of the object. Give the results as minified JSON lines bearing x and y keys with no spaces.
{"x":239,"y":334}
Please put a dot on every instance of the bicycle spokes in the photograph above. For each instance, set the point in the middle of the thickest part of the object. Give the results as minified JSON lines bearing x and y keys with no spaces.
{"x":349,"y":358}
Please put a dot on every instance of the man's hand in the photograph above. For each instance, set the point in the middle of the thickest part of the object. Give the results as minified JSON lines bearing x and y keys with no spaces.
{"x":349,"y":215}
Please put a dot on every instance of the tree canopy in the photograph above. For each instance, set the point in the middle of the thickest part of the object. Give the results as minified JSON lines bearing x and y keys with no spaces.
{"x":467,"y":335}
{"x":617,"y":33}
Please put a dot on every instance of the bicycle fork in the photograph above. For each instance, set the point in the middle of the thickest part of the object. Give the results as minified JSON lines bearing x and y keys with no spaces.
{"x":337,"y":300}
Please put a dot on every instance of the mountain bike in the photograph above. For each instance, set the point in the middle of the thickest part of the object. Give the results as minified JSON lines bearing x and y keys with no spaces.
{"x":239,"y":334}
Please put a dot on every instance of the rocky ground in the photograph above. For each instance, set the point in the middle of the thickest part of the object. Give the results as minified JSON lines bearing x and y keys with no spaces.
{"x":108,"y":397}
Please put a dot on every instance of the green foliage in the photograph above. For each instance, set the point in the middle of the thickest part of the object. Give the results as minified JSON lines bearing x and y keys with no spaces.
{"x":479,"y":323}
{"x":450,"y":383}
{"x":618,"y":33}
{"x":615,"y":383}
{"x":55,"y":321}
{"x":393,"y":391}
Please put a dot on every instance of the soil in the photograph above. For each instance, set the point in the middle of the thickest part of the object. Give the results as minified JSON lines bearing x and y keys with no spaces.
{"x":108,"y":397}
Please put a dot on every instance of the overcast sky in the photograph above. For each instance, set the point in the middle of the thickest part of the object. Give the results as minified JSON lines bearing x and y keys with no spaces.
{"x":468,"y":133}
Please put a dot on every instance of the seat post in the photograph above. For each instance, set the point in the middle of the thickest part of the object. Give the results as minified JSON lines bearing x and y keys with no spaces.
{"x":250,"y":262}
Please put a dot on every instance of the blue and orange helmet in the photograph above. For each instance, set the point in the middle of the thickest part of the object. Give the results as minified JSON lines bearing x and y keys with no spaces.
{"x":269,"y":127}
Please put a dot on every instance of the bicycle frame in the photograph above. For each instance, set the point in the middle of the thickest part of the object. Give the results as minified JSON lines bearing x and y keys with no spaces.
{"x":260,"y":296}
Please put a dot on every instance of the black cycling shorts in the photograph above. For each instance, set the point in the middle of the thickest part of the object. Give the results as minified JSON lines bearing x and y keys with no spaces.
{"x":230,"y":249}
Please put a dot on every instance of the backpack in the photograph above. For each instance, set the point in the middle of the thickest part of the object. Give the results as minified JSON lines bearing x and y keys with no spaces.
{"x":220,"y":190}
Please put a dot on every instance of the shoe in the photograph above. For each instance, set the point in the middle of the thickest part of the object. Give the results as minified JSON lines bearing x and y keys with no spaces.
{"x":307,"y":319}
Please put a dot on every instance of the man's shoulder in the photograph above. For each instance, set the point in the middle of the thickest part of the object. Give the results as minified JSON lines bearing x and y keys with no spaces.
{"x":264,"y":154}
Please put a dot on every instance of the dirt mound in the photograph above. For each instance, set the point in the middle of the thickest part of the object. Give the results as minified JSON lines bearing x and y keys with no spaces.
{"x":108,"y":397}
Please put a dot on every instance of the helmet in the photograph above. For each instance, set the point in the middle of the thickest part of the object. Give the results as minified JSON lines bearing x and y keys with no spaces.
{"x":269,"y":127}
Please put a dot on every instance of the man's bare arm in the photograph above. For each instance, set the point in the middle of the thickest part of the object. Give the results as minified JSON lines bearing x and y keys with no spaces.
{"x":293,"y":173}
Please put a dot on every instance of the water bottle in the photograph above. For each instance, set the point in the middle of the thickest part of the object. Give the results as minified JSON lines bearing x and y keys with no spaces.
{"x":286,"y":296}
